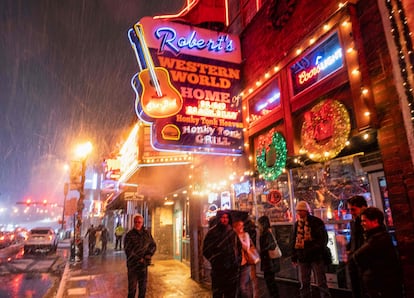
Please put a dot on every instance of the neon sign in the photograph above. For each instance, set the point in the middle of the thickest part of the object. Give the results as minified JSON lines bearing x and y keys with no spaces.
{"x":305,"y":75}
{"x":265,"y":102}
{"x":204,"y":67}
{"x":170,"y":40}
{"x":317,"y":65}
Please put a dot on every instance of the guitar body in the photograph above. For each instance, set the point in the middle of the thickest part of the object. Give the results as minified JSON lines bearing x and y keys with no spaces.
{"x":153,"y":105}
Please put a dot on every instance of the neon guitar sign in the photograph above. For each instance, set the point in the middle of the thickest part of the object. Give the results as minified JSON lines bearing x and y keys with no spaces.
{"x":156,"y":96}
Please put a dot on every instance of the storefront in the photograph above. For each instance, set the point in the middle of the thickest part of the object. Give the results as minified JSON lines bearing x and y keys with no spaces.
{"x":313,"y":137}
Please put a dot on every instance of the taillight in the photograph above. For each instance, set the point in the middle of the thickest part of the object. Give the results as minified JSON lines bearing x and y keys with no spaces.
{"x":50,"y":238}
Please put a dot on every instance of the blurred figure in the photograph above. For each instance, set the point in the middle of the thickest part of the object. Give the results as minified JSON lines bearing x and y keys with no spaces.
{"x":139,"y":248}
{"x":119,"y":232}
{"x":222,"y":248}
{"x":268,"y":265}
{"x":91,"y":234}
{"x":246,"y":290}
{"x":356,"y":205}
{"x":377,"y":259}
{"x":309,"y":246}
{"x":250,"y":227}
{"x":104,"y":238}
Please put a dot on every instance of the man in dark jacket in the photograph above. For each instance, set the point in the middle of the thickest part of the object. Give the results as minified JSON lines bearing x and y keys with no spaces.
{"x":222,"y":248}
{"x":356,"y":205}
{"x":309,"y":247}
{"x":139,"y":248}
{"x":377,"y":259}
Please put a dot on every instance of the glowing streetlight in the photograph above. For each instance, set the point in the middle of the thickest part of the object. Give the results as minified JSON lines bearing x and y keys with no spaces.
{"x":83,"y":150}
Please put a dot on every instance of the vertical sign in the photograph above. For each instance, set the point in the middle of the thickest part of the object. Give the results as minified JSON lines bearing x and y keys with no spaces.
{"x":204,"y":67}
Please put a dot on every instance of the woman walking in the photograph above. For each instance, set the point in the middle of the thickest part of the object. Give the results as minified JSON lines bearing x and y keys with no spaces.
{"x":269,"y":266}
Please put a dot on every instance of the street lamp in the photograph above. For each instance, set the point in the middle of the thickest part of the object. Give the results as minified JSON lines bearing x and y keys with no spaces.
{"x":82,"y":152}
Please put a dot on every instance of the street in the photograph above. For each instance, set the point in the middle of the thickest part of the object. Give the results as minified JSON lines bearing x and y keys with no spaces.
{"x":34,"y":276}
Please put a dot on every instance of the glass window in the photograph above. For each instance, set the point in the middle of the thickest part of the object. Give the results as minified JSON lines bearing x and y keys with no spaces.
{"x":265,"y":102}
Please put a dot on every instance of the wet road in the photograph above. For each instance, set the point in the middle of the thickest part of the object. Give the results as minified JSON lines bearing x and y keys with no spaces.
{"x":32,"y":276}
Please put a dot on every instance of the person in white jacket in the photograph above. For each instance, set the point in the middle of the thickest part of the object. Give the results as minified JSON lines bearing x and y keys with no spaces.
{"x":246,"y":290}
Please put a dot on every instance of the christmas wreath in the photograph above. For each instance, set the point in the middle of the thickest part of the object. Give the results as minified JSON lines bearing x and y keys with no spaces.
{"x":271,"y":155}
{"x":325,"y":130}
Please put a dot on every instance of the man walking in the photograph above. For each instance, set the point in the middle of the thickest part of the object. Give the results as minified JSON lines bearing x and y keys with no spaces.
{"x":139,"y":248}
{"x":119,"y":232}
{"x":377,"y":259}
{"x":309,"y":245}
{"x":356,"y":205}
{"x":222,"y":248}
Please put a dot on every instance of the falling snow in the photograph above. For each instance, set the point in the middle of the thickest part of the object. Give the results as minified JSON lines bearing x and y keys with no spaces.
{"x":65,"y":70}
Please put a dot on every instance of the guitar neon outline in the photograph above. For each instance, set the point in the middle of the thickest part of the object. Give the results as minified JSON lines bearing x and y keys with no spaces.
{"x":156,"y":96}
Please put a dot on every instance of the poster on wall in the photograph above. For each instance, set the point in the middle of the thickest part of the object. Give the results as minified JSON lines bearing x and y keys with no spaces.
{"x":187,"y":87}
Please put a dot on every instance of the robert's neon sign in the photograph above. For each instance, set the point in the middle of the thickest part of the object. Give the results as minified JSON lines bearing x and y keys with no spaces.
{"x":169,"y":39}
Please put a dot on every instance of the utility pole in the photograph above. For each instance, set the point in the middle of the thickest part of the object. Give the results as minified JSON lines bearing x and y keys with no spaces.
{"x":65,"y":193}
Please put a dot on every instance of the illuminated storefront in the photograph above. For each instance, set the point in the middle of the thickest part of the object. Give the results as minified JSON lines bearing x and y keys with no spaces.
{"x":312,"y":137}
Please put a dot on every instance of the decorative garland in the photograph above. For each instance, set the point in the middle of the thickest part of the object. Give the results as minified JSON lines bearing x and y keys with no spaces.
{"x":403,"y":37}
{"x":325,"y":130}
{"x":271,"y":155}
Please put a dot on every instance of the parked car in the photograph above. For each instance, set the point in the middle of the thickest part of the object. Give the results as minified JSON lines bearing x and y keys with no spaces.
{"x":43,"y":239}
{"x":5,"y":239}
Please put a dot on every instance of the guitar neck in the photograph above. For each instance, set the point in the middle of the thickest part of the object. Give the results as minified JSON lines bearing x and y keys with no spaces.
{"x":139,"y":31}
{"x":133,"y":39}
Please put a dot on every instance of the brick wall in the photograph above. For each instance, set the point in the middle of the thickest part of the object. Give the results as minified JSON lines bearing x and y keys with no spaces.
{"x":263,"y":46}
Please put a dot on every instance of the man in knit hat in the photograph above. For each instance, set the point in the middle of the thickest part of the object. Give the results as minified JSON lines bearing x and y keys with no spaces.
{"x":309,"y":249}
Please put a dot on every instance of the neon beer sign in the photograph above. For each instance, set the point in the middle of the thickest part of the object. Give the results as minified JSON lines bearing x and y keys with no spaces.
{"x":317,"y":65}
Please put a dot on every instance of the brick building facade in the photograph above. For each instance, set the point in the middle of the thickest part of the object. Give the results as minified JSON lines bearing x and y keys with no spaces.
{"x":273,"y":36}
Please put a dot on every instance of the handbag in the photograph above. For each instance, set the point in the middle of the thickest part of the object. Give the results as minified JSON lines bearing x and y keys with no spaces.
{"x":253,"y":256}
{"x":275,"y":253}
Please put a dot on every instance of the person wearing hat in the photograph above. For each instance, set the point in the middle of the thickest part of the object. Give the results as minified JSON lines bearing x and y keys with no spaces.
{"x":223,"y":249}
{"x":309,"y":249}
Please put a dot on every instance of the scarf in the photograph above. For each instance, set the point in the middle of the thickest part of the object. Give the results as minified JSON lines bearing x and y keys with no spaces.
{"x":303,"y":233}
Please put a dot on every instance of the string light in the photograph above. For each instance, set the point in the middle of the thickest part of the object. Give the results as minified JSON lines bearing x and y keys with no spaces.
{"x":297,"y":52}
{"x":405,"y":37}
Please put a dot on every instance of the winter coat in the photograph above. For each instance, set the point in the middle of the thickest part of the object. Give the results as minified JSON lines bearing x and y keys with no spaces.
{"x":267,"y":243}
{"x":315,"y":249}
{"x":139,"y":247}
{"x":379,"y":265}
{"x":357,"y":235}
{"x":222,"y":248}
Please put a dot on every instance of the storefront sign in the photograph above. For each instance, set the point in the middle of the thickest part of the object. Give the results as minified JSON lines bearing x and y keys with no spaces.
{"x":204,"y":67}
{"x":317,"y":65}
{"x":265,"y":102}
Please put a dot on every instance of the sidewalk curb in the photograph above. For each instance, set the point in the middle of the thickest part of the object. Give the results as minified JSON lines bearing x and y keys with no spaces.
{"x":61,"y":290}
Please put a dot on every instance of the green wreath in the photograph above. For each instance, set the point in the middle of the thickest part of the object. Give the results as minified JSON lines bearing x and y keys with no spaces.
{"x":271,"y":158}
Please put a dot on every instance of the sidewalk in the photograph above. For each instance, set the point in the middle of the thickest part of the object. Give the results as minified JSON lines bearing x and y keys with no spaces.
{"x":105,"y":276}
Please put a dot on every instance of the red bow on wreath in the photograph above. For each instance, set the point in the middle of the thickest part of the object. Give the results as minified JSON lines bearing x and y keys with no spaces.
{"x":322,"y":124}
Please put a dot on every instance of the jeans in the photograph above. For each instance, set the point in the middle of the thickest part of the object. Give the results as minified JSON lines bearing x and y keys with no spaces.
{"x":305,"y":270}
{"x":246,"y":290}
{"x":269,"y":277}
{"x":137,"y":275}
{"x":225,"y":284}
{"x":118,"y":242}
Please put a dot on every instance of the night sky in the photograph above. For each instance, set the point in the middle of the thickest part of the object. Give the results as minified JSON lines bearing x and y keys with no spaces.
{"x":65,"y":70}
